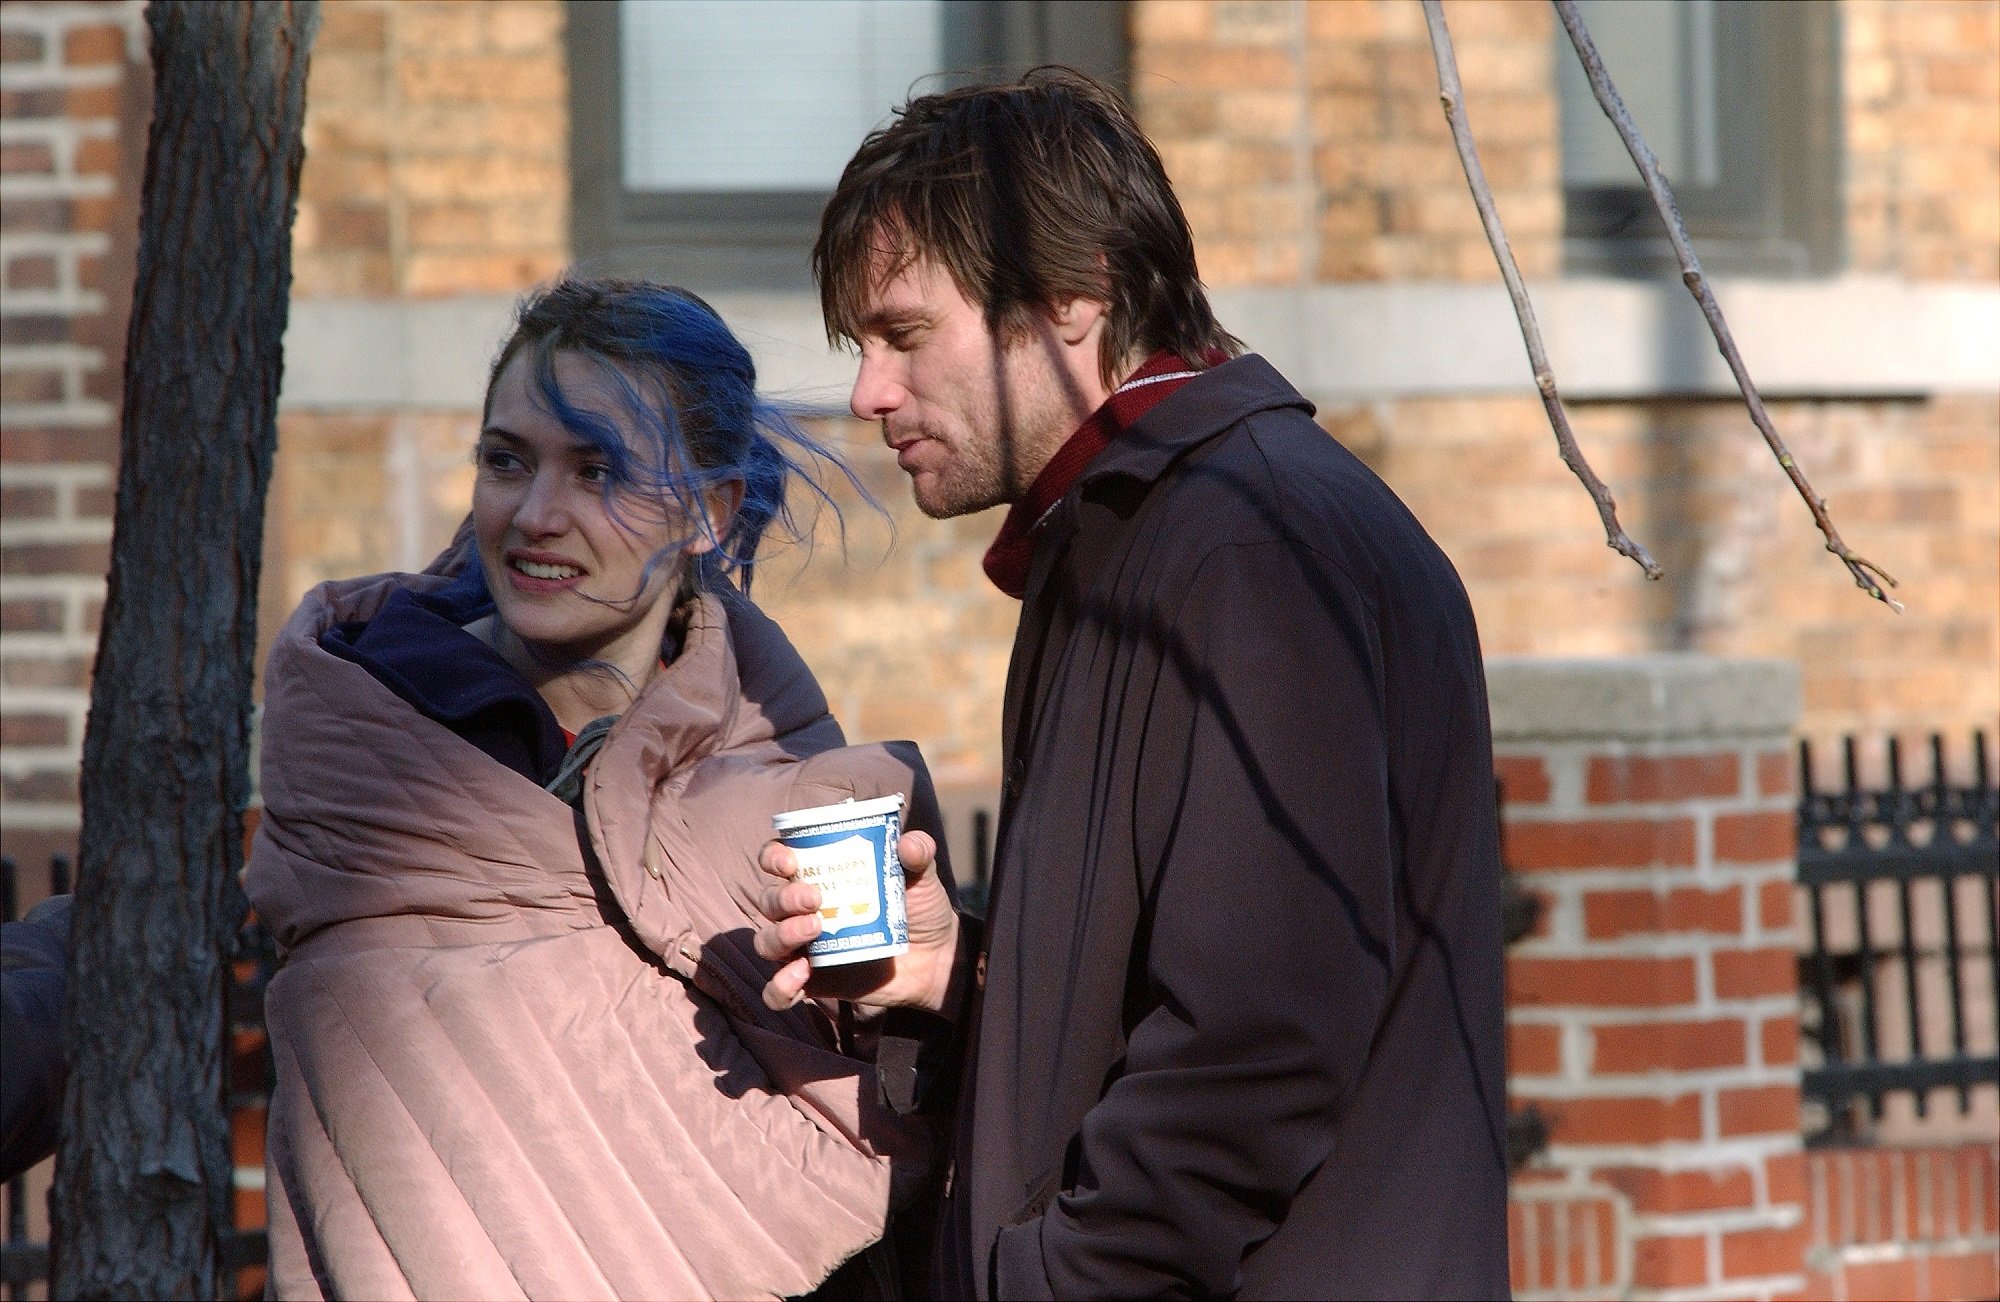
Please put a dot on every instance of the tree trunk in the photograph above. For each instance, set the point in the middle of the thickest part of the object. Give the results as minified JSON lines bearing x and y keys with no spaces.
{"x":143,"y":1175}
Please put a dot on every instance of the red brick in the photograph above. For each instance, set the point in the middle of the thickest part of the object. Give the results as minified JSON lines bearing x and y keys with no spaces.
{"x":97,"y":157}
{"x":38,"y":444}
{"x":96,"y":44}
{"x":45,"y":671}
{"x":1759,"y":1110}
{"x":1643,"y":1119}
{"x":1753,"y":973}
{"x":44,"y":787}
{"x":1778,"y":1039}
{"x":1608,"y":915}
{"x":1775,"y":773}
{"x":33,"y":730}
{"x":246,"y":1136}
{"x":21,"y":47}
{"x":1533,"y":1049}
{"x":99,"y":503}
{"x":31,"y":271}
{"x":19,"y":501}
{"x":1601,"y":843}
{"x":1785,"y":1179}
{"x":1884,"y":1279}
{"x":1524,"y":779}
{"x":1668,"y":1046}
{"x":27,"y":157}
{"x":92,"y":558}
{"x":1600,"y":982}
{"x":1820,"y":1286}
{"x":1655,"y":1192}
{"x":1747,"y":1254}
{"x":1778,"y":906}
{"x":84,"y":102}
{"x":1676,"y":1262}
{"x":51,"y":216}
{"x":1636,"y":779}
{"x":1756,"y":838}
{"x":1963,"y":1275}
{"x":36,"y":385}
{"x":31,"y":615}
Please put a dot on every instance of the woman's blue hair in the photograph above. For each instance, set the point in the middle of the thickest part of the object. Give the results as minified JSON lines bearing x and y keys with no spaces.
{"x":689,"y":390}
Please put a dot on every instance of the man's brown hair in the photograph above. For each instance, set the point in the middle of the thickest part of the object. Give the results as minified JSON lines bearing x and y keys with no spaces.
{"x":1027,"y":195}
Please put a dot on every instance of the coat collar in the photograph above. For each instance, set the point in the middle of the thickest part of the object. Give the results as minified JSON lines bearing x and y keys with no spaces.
{"x":1205,"y":406}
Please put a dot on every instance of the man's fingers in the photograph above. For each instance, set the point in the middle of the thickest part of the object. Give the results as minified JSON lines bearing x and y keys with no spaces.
{"x":787,"y":985}
{"x":794,"y":912}
{"x":917,"y":852}
{"x":778,"y":860}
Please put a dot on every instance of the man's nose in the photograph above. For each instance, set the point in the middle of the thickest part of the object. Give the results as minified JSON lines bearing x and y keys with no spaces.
{"x":877,"y":391}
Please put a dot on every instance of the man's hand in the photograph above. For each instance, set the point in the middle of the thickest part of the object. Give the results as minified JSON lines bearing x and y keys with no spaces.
{"x":922,"y":977}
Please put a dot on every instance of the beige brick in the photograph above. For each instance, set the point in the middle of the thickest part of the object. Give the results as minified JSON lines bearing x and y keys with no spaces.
{"x":1181,"y":21}
{"x":524,"y":26}
{"x":434,"y":226}
{"x":1265,"y":114}
{"x":441,"y":27}
{"x":351,"y":27}
{"x":477,"y":273}
{"x":481,"y":177}
{"x":1355,"y":21}
{"x":515,"y":79}
{"x":338,"y":77}
{"x":1255,"y":22}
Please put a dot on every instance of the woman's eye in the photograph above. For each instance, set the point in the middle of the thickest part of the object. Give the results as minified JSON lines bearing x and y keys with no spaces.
{"x":500,"y":460}
{"x":594,"y":472}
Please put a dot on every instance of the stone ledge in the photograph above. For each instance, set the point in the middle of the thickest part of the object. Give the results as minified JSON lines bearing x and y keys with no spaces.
{"x":1668,"y":697}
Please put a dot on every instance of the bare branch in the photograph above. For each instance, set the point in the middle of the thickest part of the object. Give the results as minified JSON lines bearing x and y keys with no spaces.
{"x":1453,"y":97}
{"x":1870,"y":577}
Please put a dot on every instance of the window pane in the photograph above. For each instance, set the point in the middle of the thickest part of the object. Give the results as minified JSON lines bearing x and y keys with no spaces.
{"x":826,"y":73}
{"x":1661,"y":56}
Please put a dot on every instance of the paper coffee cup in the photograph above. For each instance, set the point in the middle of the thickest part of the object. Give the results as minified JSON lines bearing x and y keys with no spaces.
{"x":848,"y":850}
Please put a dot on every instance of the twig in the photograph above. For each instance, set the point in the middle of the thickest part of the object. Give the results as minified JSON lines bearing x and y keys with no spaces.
{"x":1865,"y":572}
{"x":1453,"y":97}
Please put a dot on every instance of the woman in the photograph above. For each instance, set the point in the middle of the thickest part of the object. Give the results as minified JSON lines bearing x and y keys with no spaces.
{"x":511,"y":814}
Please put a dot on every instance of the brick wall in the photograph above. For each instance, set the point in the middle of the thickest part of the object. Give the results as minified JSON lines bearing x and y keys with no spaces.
{"x":436,"y":149}
{"x":72,"y":139}
{"x":1307,"y":143}
{"x":1922,"y":98}
{"x":1913,"y":484}
{"x":1903,"y":1223}
{"x":1653,"y":1013}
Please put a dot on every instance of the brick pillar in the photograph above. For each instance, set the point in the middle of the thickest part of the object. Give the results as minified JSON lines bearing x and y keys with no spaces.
{"x":1653,"y":1014}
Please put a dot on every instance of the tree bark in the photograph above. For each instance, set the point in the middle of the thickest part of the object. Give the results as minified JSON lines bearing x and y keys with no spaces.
{"x":143,"y":1176}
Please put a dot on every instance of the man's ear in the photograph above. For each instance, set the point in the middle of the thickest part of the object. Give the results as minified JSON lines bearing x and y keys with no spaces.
{"x":1075,"y":319}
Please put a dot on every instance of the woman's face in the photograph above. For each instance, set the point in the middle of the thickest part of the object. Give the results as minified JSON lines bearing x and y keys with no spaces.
{"x":569,"y":577}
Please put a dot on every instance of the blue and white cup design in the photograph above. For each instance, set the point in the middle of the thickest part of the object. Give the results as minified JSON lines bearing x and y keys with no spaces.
{"x":848,"y":850}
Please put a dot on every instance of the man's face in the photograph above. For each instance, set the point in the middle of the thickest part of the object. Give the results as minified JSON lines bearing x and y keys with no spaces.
{"x":973,"y":418}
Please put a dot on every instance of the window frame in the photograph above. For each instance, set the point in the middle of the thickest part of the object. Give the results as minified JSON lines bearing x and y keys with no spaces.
{"x":759,"y":240}
{"x":1777,"y":209}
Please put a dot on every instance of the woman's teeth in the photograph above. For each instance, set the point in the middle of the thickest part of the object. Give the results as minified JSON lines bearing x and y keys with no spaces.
{"x":536,"y":570}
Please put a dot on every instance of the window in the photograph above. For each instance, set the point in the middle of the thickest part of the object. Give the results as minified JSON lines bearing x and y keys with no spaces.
{"x":707,"y":134}
{"x":1739,"y":100}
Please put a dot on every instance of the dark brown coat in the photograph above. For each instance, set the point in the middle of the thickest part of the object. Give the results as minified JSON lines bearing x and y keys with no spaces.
{"x":1241,"y":1024}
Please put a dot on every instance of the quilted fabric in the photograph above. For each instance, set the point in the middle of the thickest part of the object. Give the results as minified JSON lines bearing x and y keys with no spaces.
{"x":502,"y":1074}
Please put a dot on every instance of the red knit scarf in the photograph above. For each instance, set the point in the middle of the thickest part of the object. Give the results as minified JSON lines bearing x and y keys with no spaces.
{"x":1013,"y":549}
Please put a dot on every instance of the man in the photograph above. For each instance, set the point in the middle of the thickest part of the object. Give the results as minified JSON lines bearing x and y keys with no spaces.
{"x":1234,"y":1025}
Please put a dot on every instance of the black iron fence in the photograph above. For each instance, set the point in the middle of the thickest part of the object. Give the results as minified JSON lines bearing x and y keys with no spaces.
{"x":1901,"y":982}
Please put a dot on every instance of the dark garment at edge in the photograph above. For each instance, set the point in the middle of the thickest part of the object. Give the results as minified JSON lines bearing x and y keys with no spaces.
{"x":34,"y":958}
{"x":1241,"y":1029}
